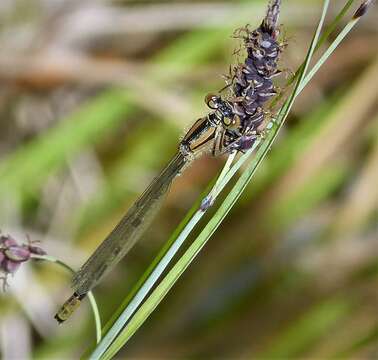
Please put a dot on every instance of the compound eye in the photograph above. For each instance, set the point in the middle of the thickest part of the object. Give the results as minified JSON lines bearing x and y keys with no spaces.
{"x":227,"y":121}
{"x":232,"y":124}
{"x":212,"y":101}
{"x":236,"y":121}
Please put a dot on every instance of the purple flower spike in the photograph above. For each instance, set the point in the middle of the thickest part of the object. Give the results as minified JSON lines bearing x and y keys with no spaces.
{"x":13,"y":254}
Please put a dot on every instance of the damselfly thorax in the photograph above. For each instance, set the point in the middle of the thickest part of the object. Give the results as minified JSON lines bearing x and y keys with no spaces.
{"x":214,"y":132}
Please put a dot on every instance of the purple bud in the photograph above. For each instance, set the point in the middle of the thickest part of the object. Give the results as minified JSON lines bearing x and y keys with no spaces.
{"x":246,"y":142}
{"x":206,"y":203}
{"x":241,"y":80}
{"x":250,"y":108}
{"x":250,"y":65}
{"x":266,"y":44}
{"x":36,"y":250}
{"x":10,"y":267}
{"x":17,"y":253}
{"x":238,"y":109}
{"x":7,"y":241}
{"x":238,"y":89}
{"x":362,"y":10}
{"x":254,"y":78}
{"x":250,"y":96}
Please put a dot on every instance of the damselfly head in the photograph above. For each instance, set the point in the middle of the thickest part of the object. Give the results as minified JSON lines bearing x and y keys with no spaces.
{"x":223,"y":113}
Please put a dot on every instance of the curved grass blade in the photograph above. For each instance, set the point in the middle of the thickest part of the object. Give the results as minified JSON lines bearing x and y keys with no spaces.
{"x":340,"y":37}
{"x":159,"y":268}
{"x":326,"y":34}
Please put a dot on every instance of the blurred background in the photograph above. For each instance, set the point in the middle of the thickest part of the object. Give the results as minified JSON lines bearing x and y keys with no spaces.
{"x":94,"y":96}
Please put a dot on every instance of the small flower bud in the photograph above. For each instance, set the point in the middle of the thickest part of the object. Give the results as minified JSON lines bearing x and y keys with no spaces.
{"x":13,"y":254}
{"x":362,"y":10}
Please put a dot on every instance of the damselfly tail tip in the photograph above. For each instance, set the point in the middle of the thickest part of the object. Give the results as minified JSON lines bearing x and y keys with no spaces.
{"x":68,"y":308}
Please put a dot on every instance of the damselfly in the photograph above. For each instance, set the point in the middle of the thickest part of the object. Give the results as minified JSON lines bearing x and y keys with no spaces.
{"x":232,"y":125}
{"x":207,"y":134}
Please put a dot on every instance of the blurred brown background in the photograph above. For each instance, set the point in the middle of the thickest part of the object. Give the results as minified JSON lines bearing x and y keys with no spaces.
{"x":94,"y":96}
